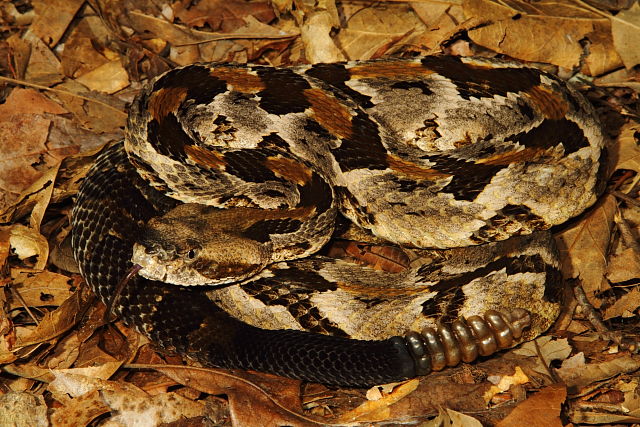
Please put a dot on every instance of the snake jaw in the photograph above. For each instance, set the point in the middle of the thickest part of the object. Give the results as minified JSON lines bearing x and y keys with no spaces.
{"x":151,"y":267}
{"x":191,"y":269}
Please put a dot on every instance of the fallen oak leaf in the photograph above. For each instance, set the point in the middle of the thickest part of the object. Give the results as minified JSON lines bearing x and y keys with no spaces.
{"x":540,"y":410}
{"x":254,"y":399}
{"x":378,"y":410}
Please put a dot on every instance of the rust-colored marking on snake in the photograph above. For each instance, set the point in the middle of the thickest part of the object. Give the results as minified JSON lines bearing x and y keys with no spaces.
{"x":289,"y":169}
{"x":412,"y":170}
{"x":204,"y":157}
{"x":550,"y":104}
{"x":240,"y":79}
{"x":165,"y":101}
{"x":330,"y":113}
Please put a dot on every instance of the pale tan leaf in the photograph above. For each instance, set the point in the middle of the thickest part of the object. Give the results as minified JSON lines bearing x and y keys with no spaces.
{"x":623,"y":266}
{"x":505,"y":382}
{"x":59,"y":321}
{"x":53,"y":17}
{"x":108,"y":78}
{"x":40,"y":288}
{"x":625,"y":27}
{"x":581,"y":376}
{"x":315,"y":35}
{"x":574,"y":361}
{"x":371,"y":29}
{"x":160,"y":409}
{"x":378,"y":410}
{"x":624,"y":306}
{"x":254,"y":399}
{"x":458,"y":419}
{"x":628,"y":152}
{"x":546,"y":347}
{"x":26,"y":243}
{"x":544,"y":31}
{"x":44,"y":67}
{"x":583,"y":247}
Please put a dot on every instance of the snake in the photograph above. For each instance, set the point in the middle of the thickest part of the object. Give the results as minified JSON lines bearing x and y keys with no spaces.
{"x":233,"y":179}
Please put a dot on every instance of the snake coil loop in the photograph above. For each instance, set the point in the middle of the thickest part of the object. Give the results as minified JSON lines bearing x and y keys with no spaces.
{"x":464,"y":340}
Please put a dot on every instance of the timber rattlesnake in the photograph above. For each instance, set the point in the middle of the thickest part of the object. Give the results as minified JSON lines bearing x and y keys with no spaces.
{"x":234,"y":174}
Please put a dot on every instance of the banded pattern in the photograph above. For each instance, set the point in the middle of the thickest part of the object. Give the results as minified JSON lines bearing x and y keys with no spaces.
{"x":243,"y":170}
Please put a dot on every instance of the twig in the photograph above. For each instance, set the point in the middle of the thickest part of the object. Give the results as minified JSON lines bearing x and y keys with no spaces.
{"x":24,"y":304}
{"x":64,"y":92}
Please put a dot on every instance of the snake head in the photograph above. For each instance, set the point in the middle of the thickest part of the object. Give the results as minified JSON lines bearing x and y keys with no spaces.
{"x":189,"y":246}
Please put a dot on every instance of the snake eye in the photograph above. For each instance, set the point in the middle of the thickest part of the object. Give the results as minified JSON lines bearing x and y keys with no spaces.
{"x":191,"y":254}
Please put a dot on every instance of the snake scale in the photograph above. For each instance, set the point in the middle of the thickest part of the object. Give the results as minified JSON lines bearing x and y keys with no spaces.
{"x":232,"y":178}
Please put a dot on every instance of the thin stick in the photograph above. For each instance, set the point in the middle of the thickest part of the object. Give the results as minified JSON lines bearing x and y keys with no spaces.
{"x":64,"y":92}
{"x":24,"y":304}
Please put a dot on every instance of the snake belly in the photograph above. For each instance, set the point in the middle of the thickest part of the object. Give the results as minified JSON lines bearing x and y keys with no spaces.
{"x":485,"y":154}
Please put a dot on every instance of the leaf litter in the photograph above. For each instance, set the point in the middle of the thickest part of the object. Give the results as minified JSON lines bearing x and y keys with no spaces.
{"x":71,"y":67}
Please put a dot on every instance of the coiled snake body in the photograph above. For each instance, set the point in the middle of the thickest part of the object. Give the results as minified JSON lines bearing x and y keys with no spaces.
{"x":233,"y":176}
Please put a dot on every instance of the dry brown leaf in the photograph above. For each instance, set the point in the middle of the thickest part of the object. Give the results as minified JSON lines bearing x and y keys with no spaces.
{"x":22,"y":152}
{"x":27,"y":242}
{"x":615,"y":412}
{"x":222,"y":15}
{"x":550,"y":349}
{"x":378,"y":410}
{"x":602,"y":57}
{"x":123,"y":398}
{"x":21,"y":51}
{"x":371,"y":30}
{"x":53,"y":17}
{"x":29,"y":101}
{"x":624,"y":266}
{"x":29,"y":371}
{"x":93,"y":116}
{"x":59,"y":321}
{"x":443,"y":20}
{"x":624,"y":306}
{"x":628,"y":153}
{"x":174,"y":34}
{"x":242,"y":46}
{"x":254,"y":399}
{"x":108,"y":78}
{"x":583,"y":376}
{"x":545,"y":31}
{"x":625,"y":27}
{"x":618,"y":78}
{"x":80,"y":55}
{"x":316,"y":37}
{"x":583,"y":247}
{"x":40,"y":288}
{"x":7,"y":331}
{"x":44,"y":67}
{"x":540,"y":410}
{"x":384,"y":258}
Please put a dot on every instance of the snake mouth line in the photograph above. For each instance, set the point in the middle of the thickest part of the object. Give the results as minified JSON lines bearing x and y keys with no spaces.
{"x":133,"y":271}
